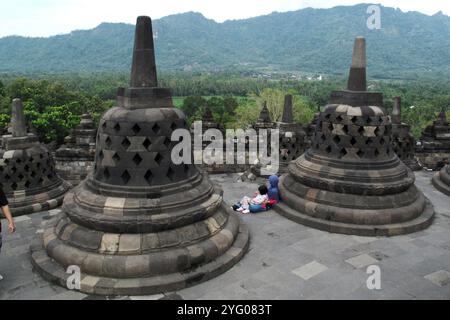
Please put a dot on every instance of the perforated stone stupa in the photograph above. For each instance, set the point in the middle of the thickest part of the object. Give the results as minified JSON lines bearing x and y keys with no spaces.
{"x":27,"y":169}
{"x":441,"y":180}
{"x":292,"y":136}
{"x":351,"y":181}
{"x":433,"y":150}
{"x":141,"y":224}
{"x":75,"y":158}
{"x":402,"y":139}
{"x":311,"y":129}
{"x":264,"y":121}
{"x":209,"y":163}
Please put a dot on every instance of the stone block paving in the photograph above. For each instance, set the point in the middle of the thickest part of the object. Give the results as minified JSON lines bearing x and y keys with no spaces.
{"x":285,"y":260}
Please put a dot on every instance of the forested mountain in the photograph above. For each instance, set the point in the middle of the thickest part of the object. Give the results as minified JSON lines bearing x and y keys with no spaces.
{"x":408,"y":45}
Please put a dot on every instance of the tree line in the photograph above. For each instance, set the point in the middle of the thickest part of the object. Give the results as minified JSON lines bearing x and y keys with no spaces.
{"x":53,"y":104}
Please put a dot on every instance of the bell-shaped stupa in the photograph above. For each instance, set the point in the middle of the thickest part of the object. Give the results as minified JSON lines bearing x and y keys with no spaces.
{"x":292,"y":136}
{"x":264,"y":121}
{"x":141,"y":224}
{"x":351,"y":181}
{"x":441,"y":180}
{"x":208,"y":121}
{"x":433,"y":149}
{"x":27,"y":169}
{"x":75,"y":158}
{"x":402,"y":139}
{"x":311,"y":128}
{"x":211,"y":162}
{"x":441,"y":131}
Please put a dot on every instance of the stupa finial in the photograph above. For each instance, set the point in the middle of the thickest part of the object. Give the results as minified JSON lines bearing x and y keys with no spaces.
{"x":288,"y":116}
{"x":208,"y":115}
{"x":18,"y":122}
{"x":397,"y":111}
{"x":264,"y":115}
{"x":357,"y":76}
{"x":143,"y":69}
{"x":442,"y":115}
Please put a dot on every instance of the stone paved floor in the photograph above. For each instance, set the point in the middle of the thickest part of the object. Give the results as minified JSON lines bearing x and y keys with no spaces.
{"x":285,"y":260}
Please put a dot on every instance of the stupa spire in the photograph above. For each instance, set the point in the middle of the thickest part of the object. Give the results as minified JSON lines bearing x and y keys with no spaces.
{"x":357,"y":76}
{"x":402,"y":139}
{"x":442,"y":115}
{"x":18,"y":122}
{"x":143,"y":69}
{"x":207,"y":115}
{"x":288,"y":116}
{"x":397,"y":111}
{"x":264,"y":115}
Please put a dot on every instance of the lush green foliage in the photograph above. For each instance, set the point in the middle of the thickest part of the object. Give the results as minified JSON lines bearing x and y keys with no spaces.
{"x":50,"y":108}
{"x":408,"y":45}
{"x":223,"y":108}
{"x":53,"y":105}
{"x":248,"y":112}
{"x":421,"y":101}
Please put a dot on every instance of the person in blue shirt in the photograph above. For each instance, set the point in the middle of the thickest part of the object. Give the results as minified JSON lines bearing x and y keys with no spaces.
{"x":274,"y":193}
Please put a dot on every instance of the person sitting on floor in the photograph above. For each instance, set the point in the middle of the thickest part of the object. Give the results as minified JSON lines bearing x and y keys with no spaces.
{"x":260,"y":198}
{"x":273,"y":196}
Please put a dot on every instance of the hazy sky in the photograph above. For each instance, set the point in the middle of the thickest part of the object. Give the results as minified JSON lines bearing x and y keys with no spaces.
{"x":50,"y":17}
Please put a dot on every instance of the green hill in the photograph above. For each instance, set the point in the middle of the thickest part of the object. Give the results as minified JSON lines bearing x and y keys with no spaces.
{"x":310,"y":40}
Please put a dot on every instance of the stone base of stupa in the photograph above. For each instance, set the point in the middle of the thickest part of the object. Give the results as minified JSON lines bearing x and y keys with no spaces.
{"x":386,"y":213}
{"x":159,"y":253}
{"x":174,"y":259}
{"x":413,"y":164}
{"x":21,"y":204}
{"x":441,"y":180}
{"x":74,"y":170}
{"x":433,"y":160}
{"x":222,"y":168}
{"x":284,"y":165}
{"x":393,"y":229}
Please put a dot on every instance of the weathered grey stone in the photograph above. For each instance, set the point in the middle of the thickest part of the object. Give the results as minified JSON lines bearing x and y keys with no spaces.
{"x":350,"y":180}
{"x":402,"y":140}
{"x":27,"y":169}
{"x":310,"y":270}
{"x":433,"y":148}
{"x":75,"y":158}
{"x":357,"y":77}
{"x":440,"y":278}
{"x":361,"y":261}
{"x":209,"y":163}
{"x":292,"y":139}
{"x":288,"y":112}
{"x":441,"y":180}
{"x":18,"y":122}
{"x":138,"y":213}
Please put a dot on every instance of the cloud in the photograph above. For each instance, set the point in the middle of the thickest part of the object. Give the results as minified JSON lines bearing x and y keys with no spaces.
{"x":50,"y":17}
